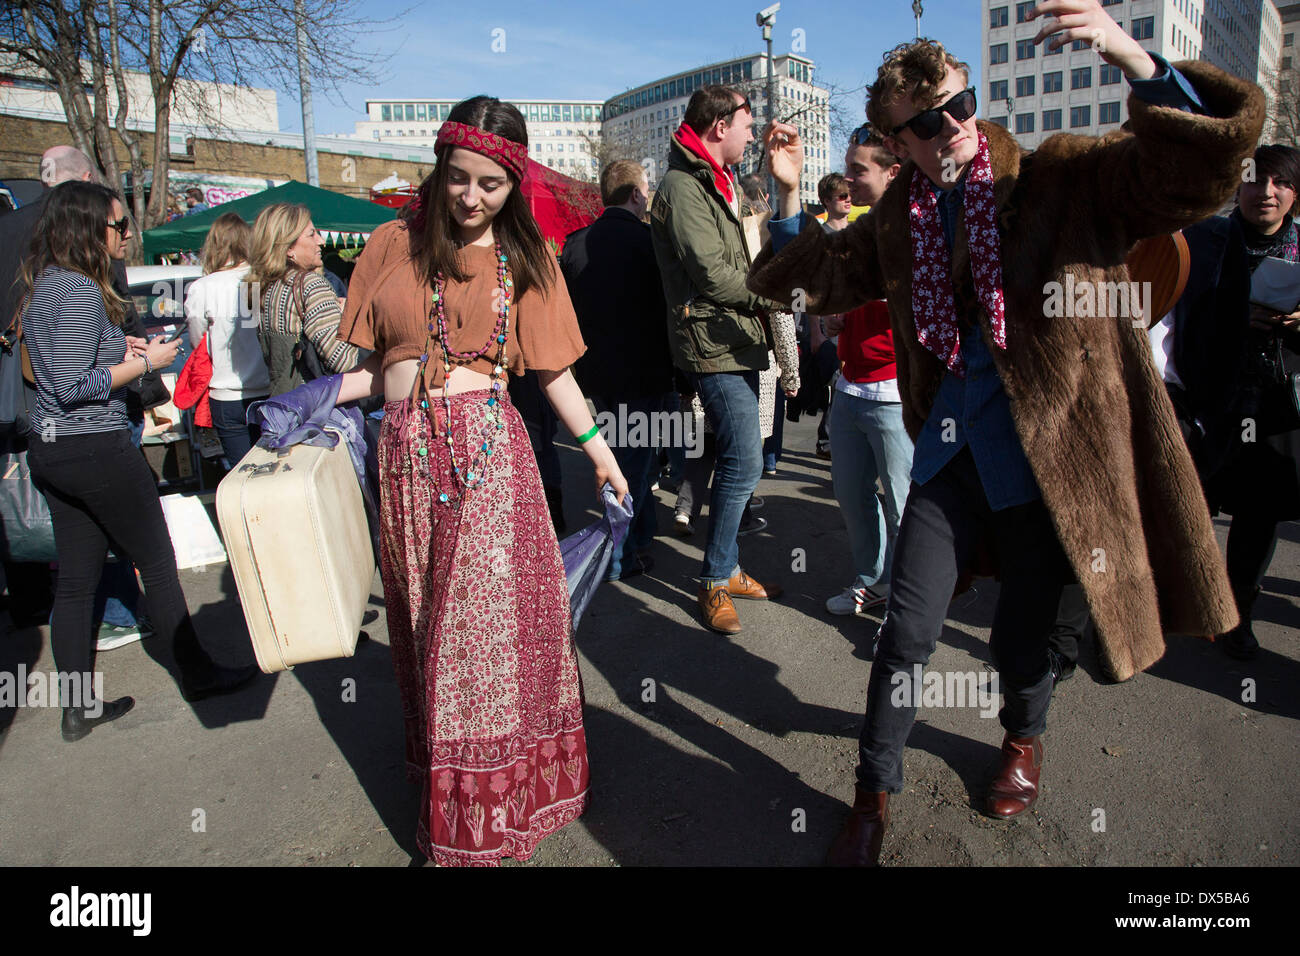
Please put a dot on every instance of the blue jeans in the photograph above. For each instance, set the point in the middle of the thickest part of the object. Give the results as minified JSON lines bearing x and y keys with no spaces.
{"x":730,"y":401}
{"x":870,"y":443}
{"x":638,"y":464}
{"x":230,"y":420}
{"x":772,"y":444}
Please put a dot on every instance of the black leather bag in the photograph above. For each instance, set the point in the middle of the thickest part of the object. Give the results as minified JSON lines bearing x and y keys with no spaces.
{"x":1279,"y":393}
{"x":15,"y":393}
{"x":306,"y":361}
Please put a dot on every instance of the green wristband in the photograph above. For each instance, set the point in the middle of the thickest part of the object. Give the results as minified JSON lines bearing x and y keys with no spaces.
{"x":589,"y":435}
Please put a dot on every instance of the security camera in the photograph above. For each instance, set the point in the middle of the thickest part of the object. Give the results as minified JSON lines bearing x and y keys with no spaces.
{"x":764,"y":17}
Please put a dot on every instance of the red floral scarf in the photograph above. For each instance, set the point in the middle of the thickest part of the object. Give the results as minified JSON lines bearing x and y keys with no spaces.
{"x":934,"y":311}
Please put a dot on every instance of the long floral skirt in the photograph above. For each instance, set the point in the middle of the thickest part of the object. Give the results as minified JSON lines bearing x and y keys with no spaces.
{"x":478,"y":622}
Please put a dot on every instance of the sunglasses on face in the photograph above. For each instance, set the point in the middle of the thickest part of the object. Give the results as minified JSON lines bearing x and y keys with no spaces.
{"x":842,"y":197}
{"x":123,"y":226}
{"x":929,"y":123}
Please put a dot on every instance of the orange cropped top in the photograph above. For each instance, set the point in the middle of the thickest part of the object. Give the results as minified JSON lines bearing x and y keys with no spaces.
{"x":388,"y":311}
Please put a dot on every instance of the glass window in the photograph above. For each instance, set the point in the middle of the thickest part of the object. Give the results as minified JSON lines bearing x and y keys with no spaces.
{"x":1143,"y":28}
{"x":1052,"y":82}
{"x":1051,"y":120}
{"x":997,"y":17}
{"x":419,"y":112}
{"x":445,"y":110}
{"x":749,"y":70}
{"x":1288,"y":39}
{"x":1109,"y":75}
{"x":1108,"y":112}
{"x":1024,"y":122}
{"x":1024,"y":49}
{"x":998,"y":53}
{"x":1022,"y":12}
{"x":1050,"y":52}
{"x":1025,"y":86}
{"x":1078,"y":45}
{"x":410,"y":112}
{"x":386,"y":113}
{"x":1080,"y":116}
{"x":997,"y":90}
{"x":1081,"y":78}
{"x":567,"y":113}
{"x":587,"y":113}
{"x":1000,"y":120}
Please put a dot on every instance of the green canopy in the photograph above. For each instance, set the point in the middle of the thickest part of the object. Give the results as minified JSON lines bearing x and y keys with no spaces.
{"x":343,"y":220}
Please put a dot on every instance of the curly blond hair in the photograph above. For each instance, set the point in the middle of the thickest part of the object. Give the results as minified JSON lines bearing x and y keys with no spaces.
{"x":911,"y":71}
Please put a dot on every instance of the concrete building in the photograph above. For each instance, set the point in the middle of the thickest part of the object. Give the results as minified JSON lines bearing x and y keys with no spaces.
{"x":561,"y":133}
{"x":1035,"y":93}
{"x":640,"y":122}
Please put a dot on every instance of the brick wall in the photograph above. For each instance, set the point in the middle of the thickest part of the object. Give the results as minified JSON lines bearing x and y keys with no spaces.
{"x":23,"y":140}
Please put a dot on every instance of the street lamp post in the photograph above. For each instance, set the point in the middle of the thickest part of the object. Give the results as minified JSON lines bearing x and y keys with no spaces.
{"x":304,"y":83}
{"x":917,"y":10}
{"x":765,"y":18}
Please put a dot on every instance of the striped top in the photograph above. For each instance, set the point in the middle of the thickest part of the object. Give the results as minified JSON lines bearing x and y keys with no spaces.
{"x":280,"y":313}
{"x":73,"y":345}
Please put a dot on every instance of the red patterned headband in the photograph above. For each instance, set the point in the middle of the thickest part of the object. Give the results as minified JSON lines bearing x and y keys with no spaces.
{"x":512,"y":155}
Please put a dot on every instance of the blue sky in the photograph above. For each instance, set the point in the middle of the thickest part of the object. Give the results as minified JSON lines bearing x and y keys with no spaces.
{"x":593,"y":49}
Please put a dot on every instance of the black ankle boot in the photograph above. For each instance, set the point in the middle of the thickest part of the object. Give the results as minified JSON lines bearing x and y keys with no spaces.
{"x":77,"y":723}
{"x":215,"y":680}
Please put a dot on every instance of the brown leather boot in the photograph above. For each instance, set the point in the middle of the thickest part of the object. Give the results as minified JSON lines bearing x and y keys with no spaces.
{"x":742,"y":585}
{"x":1015,"y":788}
{"x":858,"y":842}
{"x":718,"y":612}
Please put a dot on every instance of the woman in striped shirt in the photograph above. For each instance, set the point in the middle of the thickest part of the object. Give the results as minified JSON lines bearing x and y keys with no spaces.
{"x":300,"y":313}
{"x":99,"y":487}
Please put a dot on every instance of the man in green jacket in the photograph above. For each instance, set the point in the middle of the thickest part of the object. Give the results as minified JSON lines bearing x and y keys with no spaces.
{"x":715,"y":327}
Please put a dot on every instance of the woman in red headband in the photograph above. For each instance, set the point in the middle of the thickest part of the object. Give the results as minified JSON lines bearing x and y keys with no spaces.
{"x":452,"y":296}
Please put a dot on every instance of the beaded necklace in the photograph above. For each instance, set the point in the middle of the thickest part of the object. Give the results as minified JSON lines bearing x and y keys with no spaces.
{"x":475,"y":474}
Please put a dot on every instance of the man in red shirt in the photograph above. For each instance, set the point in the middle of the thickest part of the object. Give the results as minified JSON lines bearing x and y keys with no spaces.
{"x":866,"y":427}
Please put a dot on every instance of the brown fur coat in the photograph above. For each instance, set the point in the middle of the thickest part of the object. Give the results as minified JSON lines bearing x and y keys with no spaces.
{"x":1091,"y":411}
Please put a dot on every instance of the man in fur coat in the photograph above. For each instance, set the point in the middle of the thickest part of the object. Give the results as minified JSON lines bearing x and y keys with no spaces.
{"x":1042,"y":429}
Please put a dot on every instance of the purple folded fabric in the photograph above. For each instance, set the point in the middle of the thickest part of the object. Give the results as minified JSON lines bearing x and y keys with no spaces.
{"x":587,"y":553}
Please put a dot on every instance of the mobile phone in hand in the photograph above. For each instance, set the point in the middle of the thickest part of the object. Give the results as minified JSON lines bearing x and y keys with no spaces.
{"x":180,"y":330}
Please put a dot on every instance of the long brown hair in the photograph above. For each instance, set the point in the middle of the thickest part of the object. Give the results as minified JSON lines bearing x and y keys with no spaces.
{"x":429,"y":220}
{"x":227,"y":243}
{"x":276,"y":229}
{"x":70,"y":235}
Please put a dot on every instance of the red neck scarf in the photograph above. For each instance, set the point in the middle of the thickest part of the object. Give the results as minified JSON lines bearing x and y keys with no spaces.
{"x":934,"y":310}
{"x":691,"y":142}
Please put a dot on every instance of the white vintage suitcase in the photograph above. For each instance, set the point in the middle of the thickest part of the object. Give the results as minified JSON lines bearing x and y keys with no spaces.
{"x":295,"y":531}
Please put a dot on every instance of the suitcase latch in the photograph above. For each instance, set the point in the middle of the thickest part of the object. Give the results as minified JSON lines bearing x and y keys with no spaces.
{"x":258,"y":470}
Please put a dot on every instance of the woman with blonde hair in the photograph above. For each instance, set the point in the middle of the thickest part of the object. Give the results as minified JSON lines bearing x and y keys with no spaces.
{"x":298,"y":311}
{"x":213,"y":307}
{"x":459,"y":292}
{"x":98,"y":485}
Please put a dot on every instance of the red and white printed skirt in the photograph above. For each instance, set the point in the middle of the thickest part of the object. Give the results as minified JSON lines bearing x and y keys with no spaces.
{"x":479,"y":626}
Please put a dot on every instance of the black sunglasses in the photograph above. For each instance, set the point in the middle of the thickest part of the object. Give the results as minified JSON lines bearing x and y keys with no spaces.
{"x":928,"y":123}
{"x":123,"y":226}
{"x":862,"y":135}
{"x":742,"y":105}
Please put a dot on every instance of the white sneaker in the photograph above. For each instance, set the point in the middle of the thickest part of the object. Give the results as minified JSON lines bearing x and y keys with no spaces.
{"x":855,"y":600}
{"x":682,"y":525}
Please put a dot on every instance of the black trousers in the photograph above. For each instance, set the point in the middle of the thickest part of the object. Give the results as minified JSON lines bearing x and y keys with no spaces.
{"x":943,"y":524}
{"x":100,"y":490}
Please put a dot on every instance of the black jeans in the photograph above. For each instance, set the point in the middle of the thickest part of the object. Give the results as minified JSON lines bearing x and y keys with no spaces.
{"x":100,"y":490}
{"x":943,"y":524}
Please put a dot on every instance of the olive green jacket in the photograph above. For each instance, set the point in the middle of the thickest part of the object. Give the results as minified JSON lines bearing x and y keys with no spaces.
{"x":714,"y":321}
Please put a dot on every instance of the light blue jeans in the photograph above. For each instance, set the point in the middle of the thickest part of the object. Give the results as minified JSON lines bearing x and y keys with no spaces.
{"x":869,"y":442}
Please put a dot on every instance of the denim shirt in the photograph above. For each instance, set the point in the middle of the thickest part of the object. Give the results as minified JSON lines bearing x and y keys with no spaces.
{"x":975,"y":410}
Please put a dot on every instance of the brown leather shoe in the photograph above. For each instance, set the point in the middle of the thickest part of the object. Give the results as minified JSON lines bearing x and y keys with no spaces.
{"x":1015,"y":788}
{"x":742,"y":585}
{"x":718,"y":611}
{"x":858,"y":842}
